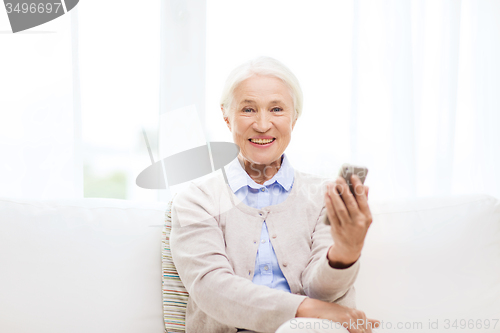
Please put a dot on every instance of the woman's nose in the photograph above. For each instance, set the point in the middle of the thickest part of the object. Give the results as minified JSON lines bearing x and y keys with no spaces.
{"x":262,"y":123}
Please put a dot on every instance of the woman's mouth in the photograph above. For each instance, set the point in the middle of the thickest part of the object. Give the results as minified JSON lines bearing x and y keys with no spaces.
{"x":262,"y":142}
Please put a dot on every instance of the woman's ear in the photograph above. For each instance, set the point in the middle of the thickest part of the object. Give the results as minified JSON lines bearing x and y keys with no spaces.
{"x":293,"y":124}
{"x":226,"y":119}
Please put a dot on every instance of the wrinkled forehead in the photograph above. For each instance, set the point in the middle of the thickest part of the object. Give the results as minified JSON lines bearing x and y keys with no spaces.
{"x":262,"y":89}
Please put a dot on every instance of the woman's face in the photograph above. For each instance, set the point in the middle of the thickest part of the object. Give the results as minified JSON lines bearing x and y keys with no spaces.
{"x":262,"y":118}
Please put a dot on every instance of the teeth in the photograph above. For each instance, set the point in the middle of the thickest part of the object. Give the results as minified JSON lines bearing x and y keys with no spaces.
{"x":261,"y":141}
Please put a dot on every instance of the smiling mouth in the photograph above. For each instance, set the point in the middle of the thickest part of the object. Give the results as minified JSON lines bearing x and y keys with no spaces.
{"x":262,"y":141}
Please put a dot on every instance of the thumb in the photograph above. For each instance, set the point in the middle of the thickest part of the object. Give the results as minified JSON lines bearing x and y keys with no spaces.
{"x":374,"y":323}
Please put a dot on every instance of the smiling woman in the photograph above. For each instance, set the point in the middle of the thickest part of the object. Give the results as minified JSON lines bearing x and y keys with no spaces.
{"x":254,"y":253}
{"x":261,"y":121}
{"x":261,"y":103}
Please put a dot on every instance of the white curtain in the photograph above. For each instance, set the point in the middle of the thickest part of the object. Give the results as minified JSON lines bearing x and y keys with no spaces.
{"x":408,"y":88}
{"x":182,"y":88}
{"x":39,"y":120}
{"x":119,"y":59}
{"x":76,"y":92}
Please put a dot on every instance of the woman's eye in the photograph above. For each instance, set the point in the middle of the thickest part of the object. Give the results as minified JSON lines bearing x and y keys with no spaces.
{"x":247,"y":110}
{"x":276,"y":109}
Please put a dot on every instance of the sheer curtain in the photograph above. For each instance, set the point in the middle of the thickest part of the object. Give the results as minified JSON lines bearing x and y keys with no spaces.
{"x":75,"y":94}
{"x":39,"y":119}
{"x":119,"y":59}
{"x":425,"y":73}
{"x":407,"y":88}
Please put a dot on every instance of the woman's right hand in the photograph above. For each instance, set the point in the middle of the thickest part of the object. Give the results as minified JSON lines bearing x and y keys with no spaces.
{"x":347,"y":317}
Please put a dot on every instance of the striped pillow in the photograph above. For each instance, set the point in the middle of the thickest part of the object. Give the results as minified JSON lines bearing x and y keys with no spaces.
{"x":175,"y":296}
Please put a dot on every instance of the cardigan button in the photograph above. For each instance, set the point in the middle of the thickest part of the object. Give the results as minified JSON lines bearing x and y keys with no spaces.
{"x":285,"y":264}
{"x":274,"y":236}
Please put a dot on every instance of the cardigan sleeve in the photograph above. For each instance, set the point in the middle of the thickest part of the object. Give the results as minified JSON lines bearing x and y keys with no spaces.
{"x":319,"y":279}
{"x":198,"y":251}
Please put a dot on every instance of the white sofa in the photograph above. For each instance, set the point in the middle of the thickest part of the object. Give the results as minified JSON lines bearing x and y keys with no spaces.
{"x":94,"y":265}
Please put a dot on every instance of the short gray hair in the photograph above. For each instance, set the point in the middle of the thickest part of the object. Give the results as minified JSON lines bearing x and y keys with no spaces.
{"x":266,"y":66}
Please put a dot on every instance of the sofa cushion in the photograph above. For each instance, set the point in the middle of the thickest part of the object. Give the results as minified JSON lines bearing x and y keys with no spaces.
{"x":433,"y":261}
{"x":80,"y":266}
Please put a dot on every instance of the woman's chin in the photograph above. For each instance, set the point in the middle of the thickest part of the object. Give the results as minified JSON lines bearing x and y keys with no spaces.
{"x":264,"y":159}
{"x":261,"y":154}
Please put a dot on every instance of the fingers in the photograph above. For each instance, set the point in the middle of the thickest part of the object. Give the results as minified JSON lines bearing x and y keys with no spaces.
{"x":330,"y":209}
{"x":374,"y":323}
{"x":363,"y":325}
{"x":361,"y":195}
{"x":348,"y":198}
{"x":338,"y":204}
{"x":359,"y":189}
{"x":368,"y":324}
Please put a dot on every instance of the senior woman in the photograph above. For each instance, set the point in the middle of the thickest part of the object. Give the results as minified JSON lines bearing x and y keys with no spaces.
{"x":253,"y":252}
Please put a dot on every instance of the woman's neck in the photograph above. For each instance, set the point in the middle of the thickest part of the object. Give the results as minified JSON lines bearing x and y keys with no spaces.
{"x":260,"y":173}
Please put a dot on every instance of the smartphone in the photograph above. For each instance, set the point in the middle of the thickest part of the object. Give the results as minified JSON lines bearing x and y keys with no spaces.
{"x":346,"y":171}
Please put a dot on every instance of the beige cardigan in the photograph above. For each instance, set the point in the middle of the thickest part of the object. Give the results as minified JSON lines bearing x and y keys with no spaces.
{"x":214,"y":242}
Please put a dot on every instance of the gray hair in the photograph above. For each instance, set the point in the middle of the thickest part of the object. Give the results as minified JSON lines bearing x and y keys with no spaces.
{"x":266,"y":66}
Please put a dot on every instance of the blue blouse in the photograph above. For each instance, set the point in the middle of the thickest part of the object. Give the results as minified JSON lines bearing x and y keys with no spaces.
{"x":272,"y":192}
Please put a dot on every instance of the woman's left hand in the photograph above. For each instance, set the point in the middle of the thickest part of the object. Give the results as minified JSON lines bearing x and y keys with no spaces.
{"x":350,"y":218}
